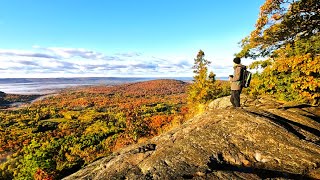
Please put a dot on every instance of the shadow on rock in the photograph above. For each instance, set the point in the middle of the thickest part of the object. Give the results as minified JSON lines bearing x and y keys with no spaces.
{"x":287,"y":124}
{"x":218,"y":164}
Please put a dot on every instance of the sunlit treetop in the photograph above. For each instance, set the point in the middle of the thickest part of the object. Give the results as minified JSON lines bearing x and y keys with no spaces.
{"x":281,"y":22}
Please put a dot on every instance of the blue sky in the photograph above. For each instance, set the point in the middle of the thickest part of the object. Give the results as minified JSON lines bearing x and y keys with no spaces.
{"x":72,"y":38}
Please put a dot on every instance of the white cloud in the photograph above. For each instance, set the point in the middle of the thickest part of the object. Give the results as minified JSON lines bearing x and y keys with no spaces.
{"x":129,"y":54}
{"x":79,"y":62}
{"x":22,"y":53}
{"x":51,"y":64}
{"x":73,"y":52}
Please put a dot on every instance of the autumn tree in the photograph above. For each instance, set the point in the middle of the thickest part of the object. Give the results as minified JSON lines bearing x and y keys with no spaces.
{"x":282,"y":22}
{"x":287,"y":35}
{"x":204,"y":87}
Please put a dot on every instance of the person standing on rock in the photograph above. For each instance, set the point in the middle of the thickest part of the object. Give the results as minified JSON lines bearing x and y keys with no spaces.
{"x":235,"y":80}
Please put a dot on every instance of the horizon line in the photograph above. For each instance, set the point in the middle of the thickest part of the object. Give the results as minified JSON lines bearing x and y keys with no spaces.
{"x":102,"y":77}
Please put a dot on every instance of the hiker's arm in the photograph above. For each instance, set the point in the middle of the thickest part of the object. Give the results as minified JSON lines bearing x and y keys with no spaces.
{"x":237,"y":74}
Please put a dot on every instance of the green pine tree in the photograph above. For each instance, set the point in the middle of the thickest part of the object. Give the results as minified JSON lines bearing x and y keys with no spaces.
{"x":199,"y":91}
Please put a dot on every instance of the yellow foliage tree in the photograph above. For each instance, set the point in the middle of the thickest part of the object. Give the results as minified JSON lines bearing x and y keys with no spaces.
{"x":287,"y":33}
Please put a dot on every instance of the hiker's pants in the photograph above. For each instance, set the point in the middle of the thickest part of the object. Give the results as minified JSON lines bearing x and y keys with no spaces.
{"x":235,"y":98}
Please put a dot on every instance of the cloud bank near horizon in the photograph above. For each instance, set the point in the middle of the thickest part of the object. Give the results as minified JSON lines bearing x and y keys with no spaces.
{"x":80,"y":62}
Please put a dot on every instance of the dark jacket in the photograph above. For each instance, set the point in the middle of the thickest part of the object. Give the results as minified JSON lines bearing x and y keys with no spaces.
{"x":235,"y":80}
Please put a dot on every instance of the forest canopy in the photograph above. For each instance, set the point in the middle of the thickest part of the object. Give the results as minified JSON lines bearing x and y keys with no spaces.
{"x":57,"y":135}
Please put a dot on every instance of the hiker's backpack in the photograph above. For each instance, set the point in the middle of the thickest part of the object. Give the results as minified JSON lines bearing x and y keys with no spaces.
{"x":245,"y":77}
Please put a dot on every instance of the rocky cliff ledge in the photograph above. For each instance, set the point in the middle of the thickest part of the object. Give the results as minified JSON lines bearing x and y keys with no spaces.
{"x":265,"y":139}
